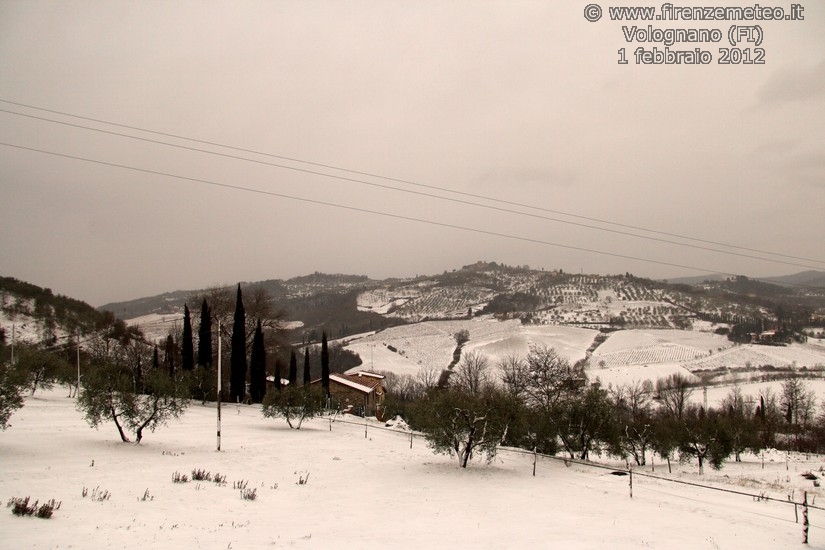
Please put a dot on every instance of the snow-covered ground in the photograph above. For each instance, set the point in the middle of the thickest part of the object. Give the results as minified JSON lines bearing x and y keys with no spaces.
{"x":432,"y":343}
{"x":626,"y":355}
{"x":363,"y":492}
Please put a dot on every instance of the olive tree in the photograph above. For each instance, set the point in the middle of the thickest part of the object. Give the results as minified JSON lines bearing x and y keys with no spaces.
{"x":294,"y":404}
{"x":461,"y":424}
{"x":108,"y":394}
{"x":12,"y":384}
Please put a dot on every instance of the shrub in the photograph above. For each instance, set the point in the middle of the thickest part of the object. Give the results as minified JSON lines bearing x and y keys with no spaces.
{"x":249,"y":494}
{"x":294,"y":404}
{"x":97,"y":494}
{"x":178,"y":477}
{"x":201,"y":475}
{"x":21,"y":507}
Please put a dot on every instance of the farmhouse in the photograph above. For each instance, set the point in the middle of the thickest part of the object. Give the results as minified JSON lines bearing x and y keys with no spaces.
{"x":359,"y":393}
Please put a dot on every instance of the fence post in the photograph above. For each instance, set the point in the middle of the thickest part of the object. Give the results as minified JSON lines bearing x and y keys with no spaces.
{"x":411,"y":438}
{"x":805,"y":517}
{"x":630,"y":470}
{"x":535,"y":458}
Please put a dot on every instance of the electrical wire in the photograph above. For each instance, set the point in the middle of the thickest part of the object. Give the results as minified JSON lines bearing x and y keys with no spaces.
{"x":379,"y":212}
{"x":441,"y":189}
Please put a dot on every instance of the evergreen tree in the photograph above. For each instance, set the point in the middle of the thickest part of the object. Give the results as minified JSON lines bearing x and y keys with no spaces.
{"x":155,"y":359}
{"x":324,"y":363}
{"x":278,"y":374}
{"x":293,"y":369}
{"x":205,"y":337}
{"x":307,"y":378}
{"x":237,"y":358}
{"x":188,"y":351}
{"x":169,"y":355}
{"x":257,"y":366}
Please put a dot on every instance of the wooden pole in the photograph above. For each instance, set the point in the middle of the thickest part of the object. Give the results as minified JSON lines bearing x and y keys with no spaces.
{"x":77,"y":343}
{"x":219,"y":386}
{"x":631,"y":482}
{"x":535,"y":459}
{"x":805,"y":523}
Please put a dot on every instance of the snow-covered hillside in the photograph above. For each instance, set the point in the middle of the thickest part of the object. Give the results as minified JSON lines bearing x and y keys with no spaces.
{"x":624,"y":356}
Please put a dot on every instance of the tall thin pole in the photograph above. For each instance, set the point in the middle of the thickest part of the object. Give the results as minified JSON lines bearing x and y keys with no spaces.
{"x":77,"y":344}
{"x":219,"y":385}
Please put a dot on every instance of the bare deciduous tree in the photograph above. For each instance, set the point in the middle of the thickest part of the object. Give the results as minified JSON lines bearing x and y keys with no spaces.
{"x":472,"y":374}
{"x":673,"y":393}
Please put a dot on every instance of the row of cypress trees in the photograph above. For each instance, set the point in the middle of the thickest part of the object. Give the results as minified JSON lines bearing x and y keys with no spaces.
{"x":237,"y":359}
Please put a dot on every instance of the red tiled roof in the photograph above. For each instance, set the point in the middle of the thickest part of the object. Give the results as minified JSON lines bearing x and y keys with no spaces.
{"x":367,"y":379}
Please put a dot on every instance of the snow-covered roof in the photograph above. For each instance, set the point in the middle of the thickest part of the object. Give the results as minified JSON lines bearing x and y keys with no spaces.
{"x":351,"y":383}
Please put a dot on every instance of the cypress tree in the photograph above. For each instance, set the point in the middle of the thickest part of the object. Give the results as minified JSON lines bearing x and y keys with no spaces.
{"x":293,"y":369}
{"x":237,"y":357}
{"x":324,"y":363}
{"x":169,"y":355}
{"x":155,"y":359}
{"x":205,"y":337}
{"x":188,"y":351}
{"x":307,"y":378}
{"x":257,"y":366}
{"x":278,"y":374}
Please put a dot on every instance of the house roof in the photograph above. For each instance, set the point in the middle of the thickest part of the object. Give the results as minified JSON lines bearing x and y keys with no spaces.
{"x":347,"y":380}
{"x":368,"y":379}
{"x":365,"y":382}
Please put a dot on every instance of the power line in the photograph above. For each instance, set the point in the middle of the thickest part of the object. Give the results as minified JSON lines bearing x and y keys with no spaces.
{"x":419,"y":193}
{"x":369,"y":211}
{"x":408,"y":182}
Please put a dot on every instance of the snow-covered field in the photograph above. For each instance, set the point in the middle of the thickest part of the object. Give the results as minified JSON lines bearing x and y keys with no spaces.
{"x":626,"y":355}
{"x":432,"y":343}
{"x":372,"y":492}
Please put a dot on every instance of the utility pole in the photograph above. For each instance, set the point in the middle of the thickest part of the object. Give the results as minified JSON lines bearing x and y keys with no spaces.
{"x":77,"y":344}
{"x":219,"y":385}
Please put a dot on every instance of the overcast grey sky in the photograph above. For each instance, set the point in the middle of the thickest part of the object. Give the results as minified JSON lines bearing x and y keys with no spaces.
{"x":521,"y":101}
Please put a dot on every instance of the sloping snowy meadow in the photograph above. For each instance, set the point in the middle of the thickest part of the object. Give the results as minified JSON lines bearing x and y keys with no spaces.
{"x":364,"y":487}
